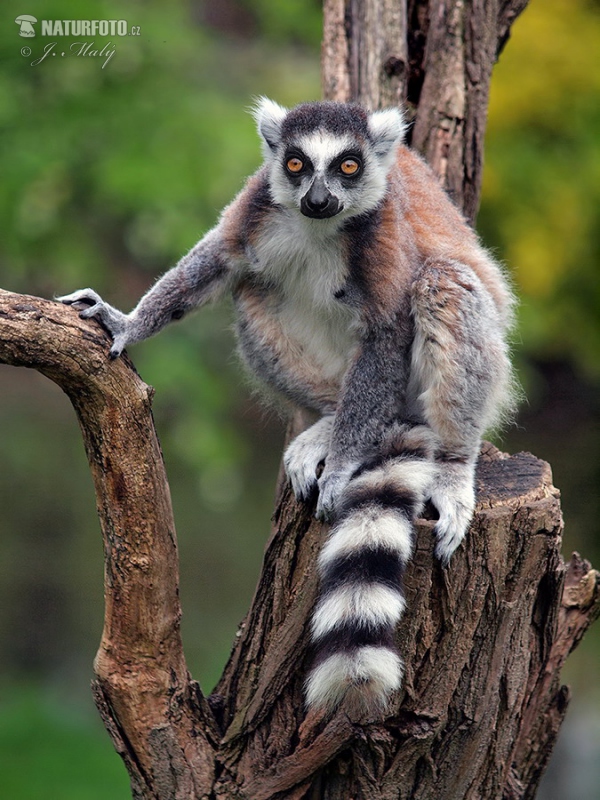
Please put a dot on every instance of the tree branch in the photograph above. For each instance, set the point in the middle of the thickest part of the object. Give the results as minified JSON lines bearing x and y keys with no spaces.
{"x":143,"y":688}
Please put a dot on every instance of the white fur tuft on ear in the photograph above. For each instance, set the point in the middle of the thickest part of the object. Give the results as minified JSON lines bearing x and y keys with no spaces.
{"x":387,"y":129}
{"x":269,"y":115}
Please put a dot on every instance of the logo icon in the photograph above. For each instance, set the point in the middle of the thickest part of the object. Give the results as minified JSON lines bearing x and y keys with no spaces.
{"x":25,"y":21}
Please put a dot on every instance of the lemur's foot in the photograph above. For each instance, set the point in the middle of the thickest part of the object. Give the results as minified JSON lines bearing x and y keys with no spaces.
{"x":453,"y":495}
{"x":332,"y":485}
{"x":303,"y":456}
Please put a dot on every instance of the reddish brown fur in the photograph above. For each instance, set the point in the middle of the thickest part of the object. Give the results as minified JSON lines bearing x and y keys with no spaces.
{"x":418,"y":223}
{"x":439,"y":229}
{"x":389,"y":261}
{"x":243,"y":215}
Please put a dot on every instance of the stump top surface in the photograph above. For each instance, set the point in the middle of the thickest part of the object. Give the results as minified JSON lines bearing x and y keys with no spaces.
{"x":504,"y":479}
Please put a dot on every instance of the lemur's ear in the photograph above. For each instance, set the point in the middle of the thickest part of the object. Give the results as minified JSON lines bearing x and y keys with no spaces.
{"x":387,"y":130}
{"x":269,"y":116}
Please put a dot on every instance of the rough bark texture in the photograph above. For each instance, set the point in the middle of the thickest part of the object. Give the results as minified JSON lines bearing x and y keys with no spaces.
{"x":483,"y":641}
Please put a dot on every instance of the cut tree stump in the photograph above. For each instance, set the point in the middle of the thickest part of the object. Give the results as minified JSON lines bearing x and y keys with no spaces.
{"x":483,"y":643}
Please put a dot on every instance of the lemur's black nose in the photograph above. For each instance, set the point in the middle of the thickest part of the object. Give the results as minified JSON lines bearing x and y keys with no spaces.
{"x":319,"y":202}
{"x":317,"y":205}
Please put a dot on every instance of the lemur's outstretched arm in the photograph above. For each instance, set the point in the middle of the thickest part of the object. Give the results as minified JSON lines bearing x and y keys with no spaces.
{"x":201,"y":275}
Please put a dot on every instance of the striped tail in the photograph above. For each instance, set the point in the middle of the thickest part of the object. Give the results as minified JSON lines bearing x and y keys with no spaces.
{"x":361,"y":568}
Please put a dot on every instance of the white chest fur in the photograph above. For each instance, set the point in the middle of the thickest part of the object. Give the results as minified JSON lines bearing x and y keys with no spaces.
{"x":303,"y":260}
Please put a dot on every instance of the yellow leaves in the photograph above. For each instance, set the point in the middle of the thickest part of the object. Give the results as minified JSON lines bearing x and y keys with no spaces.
{"x":541,"y":188}
{"x":544,"y":244}
{"x":550,"y":61}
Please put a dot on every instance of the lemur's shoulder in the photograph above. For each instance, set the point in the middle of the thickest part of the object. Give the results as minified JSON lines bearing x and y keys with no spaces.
{"x":440,"y":230}
{"x":247,"y":212}
{"x":437,"y":222}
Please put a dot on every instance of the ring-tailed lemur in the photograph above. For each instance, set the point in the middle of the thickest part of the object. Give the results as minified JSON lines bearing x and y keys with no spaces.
{"x":361,"y":294}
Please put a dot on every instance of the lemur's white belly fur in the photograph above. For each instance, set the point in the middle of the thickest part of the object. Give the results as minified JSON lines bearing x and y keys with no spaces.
{"x":303,"y":261}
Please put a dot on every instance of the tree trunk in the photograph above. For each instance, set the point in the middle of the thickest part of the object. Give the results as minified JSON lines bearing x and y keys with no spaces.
{"x":484,"y":640}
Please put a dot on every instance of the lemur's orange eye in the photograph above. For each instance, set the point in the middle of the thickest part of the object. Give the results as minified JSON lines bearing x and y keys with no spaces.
{"x":349,"y":166}
{"x":295,"y":165}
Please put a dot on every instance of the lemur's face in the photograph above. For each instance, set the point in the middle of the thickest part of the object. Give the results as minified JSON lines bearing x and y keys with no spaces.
{"x":319,"y":174}
{"x":328,"y":159}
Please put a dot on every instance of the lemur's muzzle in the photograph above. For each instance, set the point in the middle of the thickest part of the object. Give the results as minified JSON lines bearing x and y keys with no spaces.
{"x":318,"y":202}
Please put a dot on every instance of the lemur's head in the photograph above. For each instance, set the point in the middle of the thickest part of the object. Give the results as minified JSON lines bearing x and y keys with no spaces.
{"x":328,"y":159}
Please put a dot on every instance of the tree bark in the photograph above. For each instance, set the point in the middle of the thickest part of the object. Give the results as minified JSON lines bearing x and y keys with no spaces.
{"x":483,"y":641}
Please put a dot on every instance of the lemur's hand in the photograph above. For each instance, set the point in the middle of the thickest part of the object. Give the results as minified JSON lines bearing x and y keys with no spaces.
{"x":116,"y":322}
{"x":332,"y":484}
{"x":304,"y":454}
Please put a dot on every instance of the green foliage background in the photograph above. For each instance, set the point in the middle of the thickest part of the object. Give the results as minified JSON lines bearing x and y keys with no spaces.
{"x":107,"y":176}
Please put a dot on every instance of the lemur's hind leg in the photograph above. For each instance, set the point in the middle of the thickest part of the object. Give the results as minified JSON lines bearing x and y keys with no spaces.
{"x":460,"y":376}
{"x":453,"y":495}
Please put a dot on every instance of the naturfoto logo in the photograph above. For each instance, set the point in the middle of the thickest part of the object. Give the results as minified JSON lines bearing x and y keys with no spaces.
{"x":81,"y":29}
{"x":25,"y":21}
{"x":76,"y":27}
